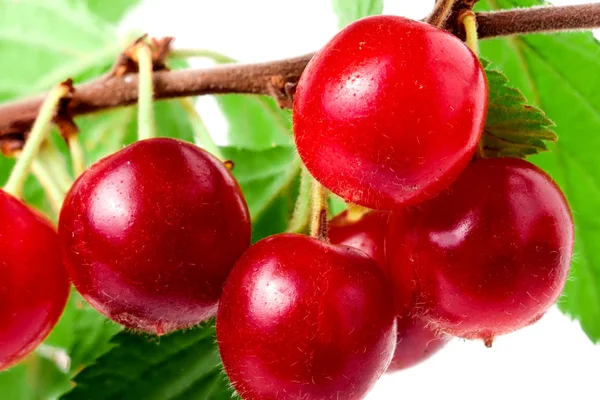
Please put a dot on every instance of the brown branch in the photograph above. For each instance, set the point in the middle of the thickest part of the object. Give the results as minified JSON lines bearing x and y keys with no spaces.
{"x":274,"y":78}
{"x":117,"y":91}
{"x":538,"y":19}
{"x":441,"y":12}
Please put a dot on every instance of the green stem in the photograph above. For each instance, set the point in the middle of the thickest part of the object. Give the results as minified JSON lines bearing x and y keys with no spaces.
{"x":301,"y":215}
{"x":469,"y":21}
{"x":318,"y":224}
{"x":202,"y":136}
{"x":212,"y":55}
{"x":36,"y":137}
{"x":77,"y":156}
{"x":55,"y":162}
{"x":51,"y":188}
{"x":146,"y":128}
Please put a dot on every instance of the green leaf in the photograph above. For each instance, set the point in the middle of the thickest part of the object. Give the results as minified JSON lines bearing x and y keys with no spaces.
{"x":182,"y":365}
{"x":41,"y":37}
{"x":348,"y":11}
{"x":82,"y":332}
{"x":255,"y":122}
{"x":559,"y":73}
{"x":263,"y":175}
{"x":14,"y":383}
{"x":34,"y":379}
{"x":513,"y":128}
{"x":274,"y":219}
{"x":112,"y":11}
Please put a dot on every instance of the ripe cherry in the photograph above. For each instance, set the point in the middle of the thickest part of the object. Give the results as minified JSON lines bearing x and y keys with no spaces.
{"x":34,"y":286}
{"x":491,"y":254}
{"x":150,"y":233}
{"x":390,"y":111}
{"x":367,"y":233}
{"x":416,"y":342}
{"x":304,"y":319}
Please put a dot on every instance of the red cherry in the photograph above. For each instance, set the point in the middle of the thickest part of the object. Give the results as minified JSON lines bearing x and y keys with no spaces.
{"x":390,"y":111}
{"x":34,"y":286}
{"x":300,"y":318}
{"x":415,"y":341}
{"x":491,"y":254}
{"x":366,"y":234}
{"x":150,"y":233}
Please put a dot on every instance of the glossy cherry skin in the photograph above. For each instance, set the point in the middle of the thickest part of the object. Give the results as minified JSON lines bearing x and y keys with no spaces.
{"x":366,"y":234}
{"x":34,"y":285}
{"x":303,"y":319}
{"x":415,"y":341}
{"x":390,"y":111}
{"x":150,"y":233}
{"x":491,"y":254}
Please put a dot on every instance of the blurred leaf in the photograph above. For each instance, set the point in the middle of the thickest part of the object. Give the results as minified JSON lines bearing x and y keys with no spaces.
{"x":33,"y":379}
{"x":560,"y":74}
{"x":105,"y":133}
{"x":336,"y":205}
{"x":348,"y":11}
{"x":82,"y":332}
{"x":14,"y":384}
{"x":41,"y":37}
{"x":255,"y":122}
{"x":263,"y":175}
{"x":182,"y":365}
{"x":513,"y":128}
{"x":110,"y":10}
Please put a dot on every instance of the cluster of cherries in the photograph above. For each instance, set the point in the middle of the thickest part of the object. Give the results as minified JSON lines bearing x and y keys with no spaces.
{"x":388,"y":115}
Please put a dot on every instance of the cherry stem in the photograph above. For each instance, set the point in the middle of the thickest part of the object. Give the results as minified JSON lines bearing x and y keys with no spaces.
{"x":469,"y":21}
{"x":55,"y":162}
{"x":318,"y":224}
{"x":146,"y":128}
{"x":53,"y":191}
{"x":202,"y":137}
{"x":77,"y":155}
{"x":301,"y":215}
{"x":38,"y":134}
{"x":441,"y":12}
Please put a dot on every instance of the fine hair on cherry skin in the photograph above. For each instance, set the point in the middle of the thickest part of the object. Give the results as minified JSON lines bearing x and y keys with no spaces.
{"x":490,"y":254}
{"x":150,"y":233}
{"x":302,"y":318}
{"x":376,"y":127}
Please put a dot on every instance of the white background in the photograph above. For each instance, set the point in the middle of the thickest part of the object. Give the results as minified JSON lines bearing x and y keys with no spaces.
{"x":551,"y":360}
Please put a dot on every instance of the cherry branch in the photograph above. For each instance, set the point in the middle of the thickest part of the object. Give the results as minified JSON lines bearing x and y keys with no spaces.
{"x":271,"y":78}
{"x":545,"y":19}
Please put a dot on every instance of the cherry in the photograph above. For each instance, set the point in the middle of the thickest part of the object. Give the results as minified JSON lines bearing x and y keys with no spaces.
{"x":304,"y":319}
{"x":34,"y":286}
{"x":367,"y":233}
{"x":150,"y":233}
{"x":390,"y":111}
{"x":489,"y":255}
{"x":415,"y":341}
